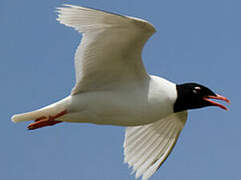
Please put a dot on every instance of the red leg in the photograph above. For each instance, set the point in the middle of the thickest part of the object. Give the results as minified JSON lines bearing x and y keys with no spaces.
{"x":41,"y":118}
{"x":44,"y":121}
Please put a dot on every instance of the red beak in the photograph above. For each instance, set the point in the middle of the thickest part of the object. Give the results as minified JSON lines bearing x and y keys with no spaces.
{"x":215,"y":103}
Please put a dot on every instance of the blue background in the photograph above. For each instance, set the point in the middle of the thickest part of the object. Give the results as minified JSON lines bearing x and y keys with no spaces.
{"x":195,"y":41}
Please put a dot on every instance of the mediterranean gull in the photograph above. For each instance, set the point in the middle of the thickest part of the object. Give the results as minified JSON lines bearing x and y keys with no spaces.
{"x":112,"y":87}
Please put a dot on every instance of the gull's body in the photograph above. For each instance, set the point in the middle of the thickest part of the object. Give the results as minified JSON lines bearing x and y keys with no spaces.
{"x":112,"y":87}
{"x":129,"y":105}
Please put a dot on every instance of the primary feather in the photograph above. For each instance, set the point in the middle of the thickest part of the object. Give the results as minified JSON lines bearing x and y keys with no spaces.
{"x":146,"y":147}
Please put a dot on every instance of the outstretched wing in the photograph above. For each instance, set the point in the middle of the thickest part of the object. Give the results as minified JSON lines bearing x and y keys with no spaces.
{"x":147,"y":147}
{"x":110,"y":51}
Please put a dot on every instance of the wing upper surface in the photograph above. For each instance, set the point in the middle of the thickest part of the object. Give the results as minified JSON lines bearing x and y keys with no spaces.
{"x":110,"y":50}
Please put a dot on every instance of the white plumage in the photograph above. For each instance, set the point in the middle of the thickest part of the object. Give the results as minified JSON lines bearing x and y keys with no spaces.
{"x":112,"y":87}
{"x":116,"y":41}
{"x":146,"y":147}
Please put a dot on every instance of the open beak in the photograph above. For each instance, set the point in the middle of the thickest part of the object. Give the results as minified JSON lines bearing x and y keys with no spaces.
{"x":213,"y":103}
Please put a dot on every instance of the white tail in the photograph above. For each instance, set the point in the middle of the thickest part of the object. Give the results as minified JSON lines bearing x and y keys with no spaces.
{"x":49,"y":110}
{"x":26,"y":116}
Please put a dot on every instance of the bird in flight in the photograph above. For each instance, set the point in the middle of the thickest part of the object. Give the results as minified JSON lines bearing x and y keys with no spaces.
{"x":112,"y":87}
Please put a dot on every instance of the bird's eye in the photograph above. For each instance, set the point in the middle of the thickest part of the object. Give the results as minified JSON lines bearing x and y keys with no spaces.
{"x":196,"y":90}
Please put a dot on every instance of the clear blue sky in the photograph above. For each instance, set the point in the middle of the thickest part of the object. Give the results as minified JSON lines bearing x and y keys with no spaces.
{"x":195,"y":41}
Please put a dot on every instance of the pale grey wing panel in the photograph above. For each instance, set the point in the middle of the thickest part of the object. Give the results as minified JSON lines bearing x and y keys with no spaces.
{"x":110,"y":51}
{"x":107,"y":59}
{"x":147,"y":147}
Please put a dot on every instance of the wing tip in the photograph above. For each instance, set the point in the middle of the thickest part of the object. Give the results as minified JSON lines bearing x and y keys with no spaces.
{"x":63,"y":13}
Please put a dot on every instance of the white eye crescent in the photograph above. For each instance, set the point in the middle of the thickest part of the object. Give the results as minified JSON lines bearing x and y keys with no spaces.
{"x":195,"y":91}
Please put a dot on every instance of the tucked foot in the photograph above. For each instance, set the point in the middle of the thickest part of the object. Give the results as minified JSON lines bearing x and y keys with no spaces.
{"x":46,"y":121}
{"x":42,"y":123}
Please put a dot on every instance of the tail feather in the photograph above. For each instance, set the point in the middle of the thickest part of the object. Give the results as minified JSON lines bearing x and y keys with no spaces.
{"x":49,"y":110}
{"x":27,"y":116}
